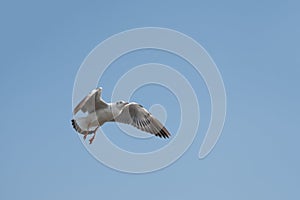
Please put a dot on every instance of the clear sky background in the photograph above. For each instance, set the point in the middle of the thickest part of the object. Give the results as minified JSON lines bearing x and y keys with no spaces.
{"x":256,"y":47}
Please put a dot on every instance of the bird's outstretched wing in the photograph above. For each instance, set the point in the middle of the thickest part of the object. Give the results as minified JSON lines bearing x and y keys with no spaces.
{"x":91,"y":102}
{"x":137,"y":116}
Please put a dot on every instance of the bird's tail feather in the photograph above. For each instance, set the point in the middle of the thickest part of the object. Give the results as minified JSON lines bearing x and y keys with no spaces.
{"x":78,"y":129}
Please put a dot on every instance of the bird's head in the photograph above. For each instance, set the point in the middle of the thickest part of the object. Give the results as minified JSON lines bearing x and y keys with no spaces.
{"x":121,"y":104}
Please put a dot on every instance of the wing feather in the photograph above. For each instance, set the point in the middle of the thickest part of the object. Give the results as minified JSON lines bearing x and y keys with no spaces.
{"x":91,"y":102}
{"x":137,"y":116}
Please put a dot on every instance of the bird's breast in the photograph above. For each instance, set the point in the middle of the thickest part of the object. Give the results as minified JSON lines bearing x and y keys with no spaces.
{"x":104,"y":115}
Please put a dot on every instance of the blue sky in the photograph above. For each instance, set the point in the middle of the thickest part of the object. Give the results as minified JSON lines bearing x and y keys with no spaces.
{"x":256,"y":47}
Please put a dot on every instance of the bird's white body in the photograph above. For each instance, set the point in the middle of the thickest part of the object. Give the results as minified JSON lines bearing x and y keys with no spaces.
{"x":115,"y":110}
{"x":99,"y":117}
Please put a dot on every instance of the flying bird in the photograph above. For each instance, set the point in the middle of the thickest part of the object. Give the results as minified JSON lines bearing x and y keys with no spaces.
{"x":100,"y":112}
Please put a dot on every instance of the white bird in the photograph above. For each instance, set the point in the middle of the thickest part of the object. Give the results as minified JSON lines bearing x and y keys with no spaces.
{"x":100,"y":112}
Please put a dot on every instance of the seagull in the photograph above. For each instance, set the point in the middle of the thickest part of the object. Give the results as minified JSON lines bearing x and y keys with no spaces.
{"x":100,"y":112}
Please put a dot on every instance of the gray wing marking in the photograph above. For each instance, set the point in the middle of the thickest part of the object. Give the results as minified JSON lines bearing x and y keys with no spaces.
{"x":137,"y":116}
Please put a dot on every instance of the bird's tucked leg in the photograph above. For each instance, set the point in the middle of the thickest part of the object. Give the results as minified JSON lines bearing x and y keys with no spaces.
{"x":85,"y":133}
{"x":94,"y":132}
